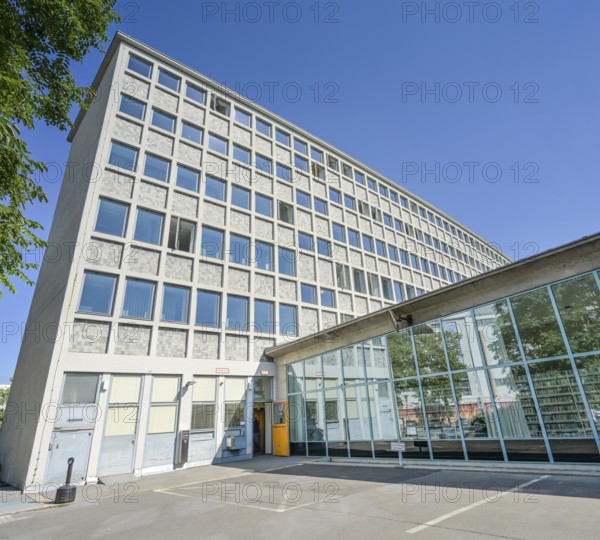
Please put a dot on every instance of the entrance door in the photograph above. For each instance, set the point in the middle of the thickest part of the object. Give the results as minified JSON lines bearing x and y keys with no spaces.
{"x":120,"y":429}
{"x":259,"y":425}
{"x":64,"y":445}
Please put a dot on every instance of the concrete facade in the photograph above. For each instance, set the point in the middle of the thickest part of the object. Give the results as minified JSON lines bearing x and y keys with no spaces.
{"x":405,"y":248}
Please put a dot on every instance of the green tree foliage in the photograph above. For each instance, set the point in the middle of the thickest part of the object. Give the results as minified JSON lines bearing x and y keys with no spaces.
{"x":38,"y":41}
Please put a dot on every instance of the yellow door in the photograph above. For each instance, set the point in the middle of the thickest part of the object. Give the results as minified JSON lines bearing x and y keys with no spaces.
{"x":281,"y":437}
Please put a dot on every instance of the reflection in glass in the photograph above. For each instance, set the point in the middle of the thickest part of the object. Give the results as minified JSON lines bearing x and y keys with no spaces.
{"x":296,"y":418}
{"x":497,"y":334}
{"x":461,"y":341}
{"x":357,"y":409}
{"x":335,"y":420}
{"x":516,"y":409}
{"x":475,"y":405}
{"x":352,"y":360}
{"x":313,"y":374}
{"x":410,"y":410}
{"x":538,"y":327}
{"x":382,"y":412}
{"x":401,"y":354}
{"x":315,"y":417}
{"x":295,"y":377}
{"x":375,"y":358}
{"x":440,"y":407}
{"x":578,"y":302}
{"x":430,"y":350}
{"x":589,"y":372}
{"x":559,"y":399}
{"x":332,"y":370}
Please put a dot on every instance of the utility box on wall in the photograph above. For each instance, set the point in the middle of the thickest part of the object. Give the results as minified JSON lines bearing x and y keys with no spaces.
{"x":183,"y":446}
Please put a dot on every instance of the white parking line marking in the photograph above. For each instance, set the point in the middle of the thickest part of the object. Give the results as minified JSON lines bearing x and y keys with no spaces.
{"x":471,"y":506}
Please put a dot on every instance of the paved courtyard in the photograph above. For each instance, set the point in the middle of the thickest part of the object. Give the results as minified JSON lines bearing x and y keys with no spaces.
{"x":279,"y":498}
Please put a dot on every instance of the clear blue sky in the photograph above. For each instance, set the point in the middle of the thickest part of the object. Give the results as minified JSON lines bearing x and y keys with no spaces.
{"x":369,"y":61}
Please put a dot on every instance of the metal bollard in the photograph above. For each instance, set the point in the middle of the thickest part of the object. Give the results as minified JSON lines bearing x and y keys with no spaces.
{"x":66,"y":493}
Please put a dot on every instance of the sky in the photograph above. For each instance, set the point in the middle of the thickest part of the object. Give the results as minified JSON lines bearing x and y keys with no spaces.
{"x":490,"y":111}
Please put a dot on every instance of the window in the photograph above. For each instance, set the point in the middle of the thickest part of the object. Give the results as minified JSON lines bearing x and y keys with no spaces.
{"x":353,"y":238}
{"x":181,"y":234}
{"x":168,"y":79}
{"x":380,"y":248}
{"x":157,"y":168}
{"x":359,"y":177}
{"x":303,"y":199}
{"x":220,"y":105}
{"x":97,"y":293}
{"x":208,"y":309}
{"x":300,"y":146}
{"x":287,"y":320}
{"x":333,"y":163}
{"x":374,"y":285}
{"x":286,"y":213}
{"x":386,"y":289}
{"x":239,"y":249}
{"x":123,"y":156}
{"x":342,"y":273}
{"x":132,"y":107}
{"x":195,"y":93}
{"x":324,"y":247}
{"x":218,"y":144}
{"x":148,"y":227}
{"x":424,"y":266}
{"x":398,"y":291}
{"x":318,"y":171}
{"x":394,"y":196}
{"x":367,"y":243}
{"x":282,"y":137}
{"x":317,"y":155}
{"x":414,"y":261}
{"x":392,"y":253}
{"x":203,"y":406}
{"x":264,"y":164}
{"x":363,"y":208}
{"x":383,"y":190}
{"x":410,"y":292}
{"x":140,"y":66}
{"x":283,"y":172}
{"x":215,"y":188}
{"x":263,"y":256}
{"x":212,"y":243}
{"x":264,"y":316}
{"x":191,"y":132}
{"x":359,"y":281}
{"x":79,"y":388}
{"x":398,"y":225}
{"x":308,"y":293}
{"x":287,"y":261}
{"x":187,"y":178}
{"x":346,"y":170}
{"x":263,"y":205}
{"x":404,"y":202}
{"x":375,"y":213}
{"x":321,"y":206}
{"x":112,"y":217}
{"x":305,"y":241}
{"x":139,"y":297}
{"x":240,"y":197}
{"x":349,"y":202}
{"x":163,"y":120}
{"x":237,"y":312}
{"x":404,"y":257}
{"x":263,"y":127}
{"x":327,"y":298}
{"x":241,"y":154}
{"x":339,"y":233}
{"x":300,"y":163}
{"x":387,"y":220}
{"x":372,"y":185}
{"x":243,"y":117}
{"x":175,"y":304}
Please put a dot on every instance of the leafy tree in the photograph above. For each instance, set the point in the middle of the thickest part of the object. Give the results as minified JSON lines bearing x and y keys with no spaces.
{"x":38,"y":41}
{"x":3,"y":400}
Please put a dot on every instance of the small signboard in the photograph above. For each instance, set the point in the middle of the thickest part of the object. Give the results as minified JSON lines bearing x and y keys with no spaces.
{"x":222,"y":371}
{"x":397,"y":447}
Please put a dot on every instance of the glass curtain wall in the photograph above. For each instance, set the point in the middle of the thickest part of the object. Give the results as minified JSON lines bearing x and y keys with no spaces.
{"x":517,"y":379}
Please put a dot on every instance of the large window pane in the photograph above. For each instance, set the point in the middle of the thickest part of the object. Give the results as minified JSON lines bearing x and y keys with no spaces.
{"x":440,"y":408}
{"x":163,"y":120}
{"x":217,"y":144}
{"x":401,"y":354}
{"x":148,"y":227}
{"x":516,"y":409}
{"x":208,"y":309}
{"x":215,"y":188}
{"x":288,"y":320}
{"x":475,"y":405}
{"x":133,"y":107}
{"x":497,"y":334}
{"x":237,"y":312}
{"x":430,"y":349}
{"x":410,"y":410}
{"x":139,"y":298}
{"x":264,"y":316}
{"x":239,"y":249}
{"x":195,"y":93}
{"x":168,"y":79}
{"x":79,"y":388}
{"x":559,"y":399}
{"x":589,"y":372}
{"x":578,"y":302}
{"x":112,"y":217}
{"x":461,"y":341}
{"x":537,"y":324}
{"x":212,"y":243}
{"x":191,"y":132}
{"x":123,"y":156}
{"x":139,"y":66}
{"x":175,"y":304}
{"x":157,"y":168}
{"x":287,"y":261}
{"x":263,"y":205}
{"x":295,"y":377}
{"x":97,"y":294}
{"x":263,"y":256}
{"x":187,"y":178}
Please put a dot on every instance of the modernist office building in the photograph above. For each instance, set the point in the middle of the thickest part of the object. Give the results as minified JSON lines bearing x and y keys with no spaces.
{"x":194,"y":230}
